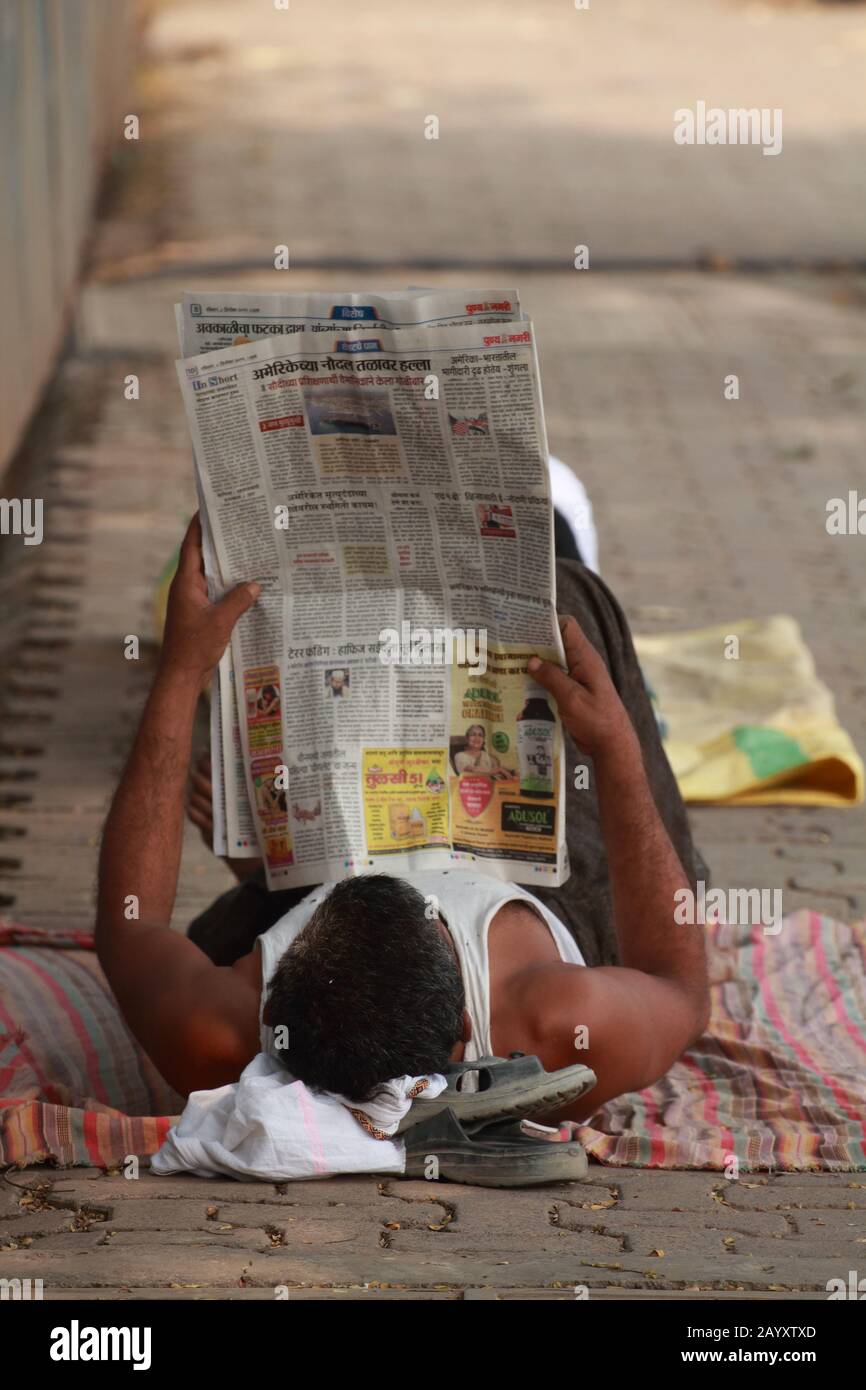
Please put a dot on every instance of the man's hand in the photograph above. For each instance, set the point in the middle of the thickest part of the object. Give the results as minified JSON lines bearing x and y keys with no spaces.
{"x":197,"y":631}
{"x":585,"y":696}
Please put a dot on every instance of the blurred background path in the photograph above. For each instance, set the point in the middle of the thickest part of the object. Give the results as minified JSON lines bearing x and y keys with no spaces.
{"x":555,"y":127}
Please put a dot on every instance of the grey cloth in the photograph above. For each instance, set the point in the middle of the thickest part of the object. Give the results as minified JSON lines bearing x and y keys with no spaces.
{"x":228,"y":929}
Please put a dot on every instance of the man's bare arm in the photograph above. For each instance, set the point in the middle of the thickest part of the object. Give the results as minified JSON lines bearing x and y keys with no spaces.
{"x":645,"y":877}
{"x":197,"y":1021}
{"x":640,"y":1016}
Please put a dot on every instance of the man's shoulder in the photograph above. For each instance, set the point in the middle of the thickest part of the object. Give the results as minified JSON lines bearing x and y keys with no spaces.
{"x":249,"y":968}
{"x":519,"y":936}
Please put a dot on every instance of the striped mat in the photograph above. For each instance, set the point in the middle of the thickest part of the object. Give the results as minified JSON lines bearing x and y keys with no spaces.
{"x":74,"y":1085}
{"x":777,"y":1083}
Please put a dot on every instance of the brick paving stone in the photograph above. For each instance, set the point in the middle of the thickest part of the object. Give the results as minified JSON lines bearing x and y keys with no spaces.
{"x":632,"y":1226}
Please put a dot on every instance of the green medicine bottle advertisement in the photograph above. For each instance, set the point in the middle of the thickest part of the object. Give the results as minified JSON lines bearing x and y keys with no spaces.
{"x":535,"y":726}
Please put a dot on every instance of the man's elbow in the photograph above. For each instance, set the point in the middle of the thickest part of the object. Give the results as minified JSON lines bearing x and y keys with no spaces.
{"x":700,"y":1010}
{"x":105,"y":942}
{"x":689,"y":1022}
{"x":210,"y":1052}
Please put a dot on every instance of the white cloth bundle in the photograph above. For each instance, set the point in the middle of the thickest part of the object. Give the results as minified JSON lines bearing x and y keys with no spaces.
{"x":269,"y":1126}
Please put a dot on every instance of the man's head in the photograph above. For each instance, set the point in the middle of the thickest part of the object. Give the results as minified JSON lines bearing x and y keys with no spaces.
{"x":369,"y":990}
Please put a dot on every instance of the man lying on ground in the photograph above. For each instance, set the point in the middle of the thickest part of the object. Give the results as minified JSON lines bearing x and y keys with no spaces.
{"x":369,"y":983}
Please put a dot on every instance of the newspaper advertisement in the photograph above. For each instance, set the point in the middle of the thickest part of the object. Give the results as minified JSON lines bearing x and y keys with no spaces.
{"x":390,"y":494}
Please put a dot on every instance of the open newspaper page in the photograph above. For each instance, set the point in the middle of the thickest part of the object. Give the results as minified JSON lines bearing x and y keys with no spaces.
{"x":390,"y":494}
{"x":207,"y":320}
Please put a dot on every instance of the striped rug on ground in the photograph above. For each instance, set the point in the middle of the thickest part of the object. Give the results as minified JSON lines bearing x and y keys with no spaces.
{"x":74,"y":1085}
{"x":778,"y":1082}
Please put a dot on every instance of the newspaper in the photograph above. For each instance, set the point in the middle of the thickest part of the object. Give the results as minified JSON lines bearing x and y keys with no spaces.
{"x":207,"y":320}
{"x":390,"y":494}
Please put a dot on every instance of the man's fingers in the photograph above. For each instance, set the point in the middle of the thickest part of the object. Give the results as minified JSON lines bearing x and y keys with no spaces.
{"x":573,"y":640}
{"x":202,"y":804}
{"x":202,"y":821}
{"x":581,"y":657}
{"x":553,"y":678}
{"x":581,"y":661}
{"x":236,"y":602}
{"x":190,"y":550}
{"x":201,"y":784}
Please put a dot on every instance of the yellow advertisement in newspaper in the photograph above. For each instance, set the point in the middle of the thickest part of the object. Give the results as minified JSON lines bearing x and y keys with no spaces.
{"x":504,"y":758}
{"x":405,"y":799}
{"x":262,"y":701}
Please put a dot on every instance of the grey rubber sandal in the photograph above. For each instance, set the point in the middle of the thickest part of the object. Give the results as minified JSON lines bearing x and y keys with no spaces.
{"x":507,"y":1087}
{"x":494,"y":1155}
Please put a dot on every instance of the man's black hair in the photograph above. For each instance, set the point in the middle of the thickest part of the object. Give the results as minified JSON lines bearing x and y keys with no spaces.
{"x":368,"y":991}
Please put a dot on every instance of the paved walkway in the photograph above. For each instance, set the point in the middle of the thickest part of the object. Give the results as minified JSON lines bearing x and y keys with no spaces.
{"x":307,"y":127}
{"x":708,"y":510}
{"x":623,"y":1233}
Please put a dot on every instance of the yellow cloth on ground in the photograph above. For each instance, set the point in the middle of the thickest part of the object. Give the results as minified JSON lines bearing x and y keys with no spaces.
{"x":758,"y":728}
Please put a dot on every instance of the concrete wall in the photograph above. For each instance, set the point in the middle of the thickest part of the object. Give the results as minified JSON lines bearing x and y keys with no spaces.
{"x":64,"y":68}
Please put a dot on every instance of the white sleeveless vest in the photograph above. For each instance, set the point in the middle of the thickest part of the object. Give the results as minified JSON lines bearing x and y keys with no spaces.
{"x":468,"y":902}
